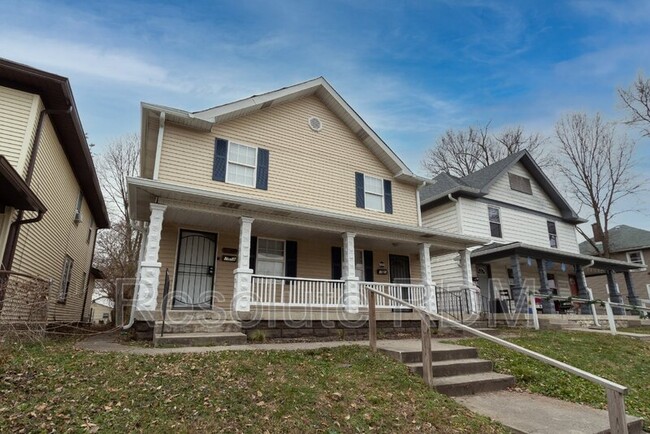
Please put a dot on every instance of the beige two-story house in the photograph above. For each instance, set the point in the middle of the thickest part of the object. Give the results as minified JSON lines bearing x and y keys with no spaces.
{"x":50,"y":202}
{"x":532,"y":232}
{"x":279,"y":203}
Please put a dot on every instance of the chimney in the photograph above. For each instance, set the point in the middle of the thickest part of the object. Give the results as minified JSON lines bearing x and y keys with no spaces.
{"x":598,"y":232}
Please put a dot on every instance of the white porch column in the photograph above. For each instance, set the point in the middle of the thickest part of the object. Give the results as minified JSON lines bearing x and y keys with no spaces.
{"x":150,"y":267}
{"x":466,"y":269}
{"x":241,"y":301}
{"x":351,"y":297}
{"x":430,"y":302}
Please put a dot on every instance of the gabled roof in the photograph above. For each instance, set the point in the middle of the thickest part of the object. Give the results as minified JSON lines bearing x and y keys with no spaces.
{"x":477,"y":184}
{"x":56,"y":94}
{"x":622,"y":238}
{"x":204,"y":120}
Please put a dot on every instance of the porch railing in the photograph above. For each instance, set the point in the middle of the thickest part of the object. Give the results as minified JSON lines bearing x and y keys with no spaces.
{"x":277,"y":291}
{"x":415,"y":294}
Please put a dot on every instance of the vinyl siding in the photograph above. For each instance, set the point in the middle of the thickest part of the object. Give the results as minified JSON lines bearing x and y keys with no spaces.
{"x":17,"y":124}
{"x":516,"y":225}
{"x":314,"y":261}
{"x":443,"y":217}
{"x":42,"y":246}
{"x":640,"y":280}
{"x":538,"y":201}
{"x":307,"y":168}
{"x":446,"y":270}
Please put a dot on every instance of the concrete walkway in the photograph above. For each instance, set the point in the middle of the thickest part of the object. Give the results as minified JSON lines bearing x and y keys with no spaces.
{"x":642,"y":336}
{"x":528,"y":413}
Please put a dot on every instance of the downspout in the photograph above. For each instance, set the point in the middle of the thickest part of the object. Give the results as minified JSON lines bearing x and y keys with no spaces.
{"x":417,"y":202}
{"x":14,"y":229}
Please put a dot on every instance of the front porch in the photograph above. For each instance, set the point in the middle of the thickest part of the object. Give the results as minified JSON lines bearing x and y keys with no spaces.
{"x":506,"y":273}
{"x":232,"y":259}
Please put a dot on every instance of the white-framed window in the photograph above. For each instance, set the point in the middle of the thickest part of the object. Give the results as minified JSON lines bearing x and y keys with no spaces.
{"x":373,"y":193}
{"x":494,"y":216}
{"x":242,"y":164}
{"x":552,"y":234}
{"x":66,"y":276}
{"x":78,"y":216}
{"x":270,"y":257}
{"x":636,"y":257}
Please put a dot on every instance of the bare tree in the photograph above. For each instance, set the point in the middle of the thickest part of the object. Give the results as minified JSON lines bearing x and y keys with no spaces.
{"x":118,"y":248}
{"x":461,"y":152}
{"x":636,"y":101}
{"x":598,"y":165}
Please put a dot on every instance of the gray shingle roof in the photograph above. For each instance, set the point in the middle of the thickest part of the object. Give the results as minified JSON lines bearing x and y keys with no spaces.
{"x":478,"y":183}
{"x":622,"y":238}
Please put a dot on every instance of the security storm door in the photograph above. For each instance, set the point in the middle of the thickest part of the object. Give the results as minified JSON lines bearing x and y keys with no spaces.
{"x":194,"y":270}
{"x":400,"y":272}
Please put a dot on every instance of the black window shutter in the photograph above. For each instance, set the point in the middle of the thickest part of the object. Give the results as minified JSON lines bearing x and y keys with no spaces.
{"x":358,"y":178}
{"x":337,"y":269}
{"x":262,"y":182}
{"x":388,"y":197}
{"x":253,"y":258}
{"x":368,"y":266}
{"x":220,"y":160}
{"x":291,"y":264}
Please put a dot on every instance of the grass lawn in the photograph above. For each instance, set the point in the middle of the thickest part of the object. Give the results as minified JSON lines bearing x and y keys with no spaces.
{"x":54,"y":387}
{"x":618,"y":358}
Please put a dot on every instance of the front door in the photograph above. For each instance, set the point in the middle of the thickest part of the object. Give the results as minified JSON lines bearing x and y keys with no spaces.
{"x":400,"y":272}
{"x":194,"y":270}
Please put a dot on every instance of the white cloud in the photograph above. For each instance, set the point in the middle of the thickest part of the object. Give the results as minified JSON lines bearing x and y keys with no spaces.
{"x":64,"y":57}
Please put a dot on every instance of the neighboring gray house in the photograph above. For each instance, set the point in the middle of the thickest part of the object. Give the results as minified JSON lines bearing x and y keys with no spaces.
{"x":531,"y":225}
{"x":629,"y":244}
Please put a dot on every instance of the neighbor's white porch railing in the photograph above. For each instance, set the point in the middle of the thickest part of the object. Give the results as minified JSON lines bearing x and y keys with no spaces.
{"x":414,"y":294}
{"x":278,"y":291}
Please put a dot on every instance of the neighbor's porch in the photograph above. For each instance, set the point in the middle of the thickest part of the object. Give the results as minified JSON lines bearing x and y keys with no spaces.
{"x":506,"y":273}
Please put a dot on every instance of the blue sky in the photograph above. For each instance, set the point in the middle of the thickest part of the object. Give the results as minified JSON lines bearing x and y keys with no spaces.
{"x":411,"y":69}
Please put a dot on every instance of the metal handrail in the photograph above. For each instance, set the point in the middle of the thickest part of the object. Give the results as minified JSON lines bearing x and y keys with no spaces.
{"x":615,"y":392}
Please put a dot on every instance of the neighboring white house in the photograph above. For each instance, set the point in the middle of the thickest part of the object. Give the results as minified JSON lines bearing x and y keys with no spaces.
{"x":531,"y":225}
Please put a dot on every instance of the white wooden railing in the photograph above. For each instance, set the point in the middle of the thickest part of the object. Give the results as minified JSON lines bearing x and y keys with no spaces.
{"x":295,"y":291}
{"x":414,"y":294}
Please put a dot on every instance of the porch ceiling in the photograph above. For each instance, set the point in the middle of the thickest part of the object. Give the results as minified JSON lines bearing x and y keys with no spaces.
{"x":205,"y":208}
{"x":498,"y":251}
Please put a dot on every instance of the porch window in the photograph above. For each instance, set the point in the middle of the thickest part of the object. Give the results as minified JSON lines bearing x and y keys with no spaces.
{"x":65,"y":279}
{"x":635,"y":257}
{"x":358,"y":264}
{"x":242,"y":163}
{"x":552,"y":234}
{"x":270,"y":257}
{"x":374,"y":193}
{"x":495,"y":222}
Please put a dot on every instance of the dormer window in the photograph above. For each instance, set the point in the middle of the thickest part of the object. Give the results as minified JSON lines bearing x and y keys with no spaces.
{"x":520,"y":183}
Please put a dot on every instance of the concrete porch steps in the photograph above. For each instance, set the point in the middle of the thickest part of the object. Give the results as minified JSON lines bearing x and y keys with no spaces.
{"x":457,"y":370}
{"x":199,"y":339}
{"x":523,"y":412}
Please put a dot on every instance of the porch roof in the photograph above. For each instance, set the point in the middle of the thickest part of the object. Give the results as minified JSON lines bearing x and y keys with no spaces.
{"x":497,"y":251}
{"x":143,"y":191}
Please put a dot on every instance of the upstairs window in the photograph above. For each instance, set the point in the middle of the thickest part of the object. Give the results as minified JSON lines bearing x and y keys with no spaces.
{"x":552,"y":234}
{"x":635,"y":257}
{"x":520,"y":183}
{"x":374,"y":193}
{"x":66,"y":276}
{"x":495,"y":222}
{"x":240,"y":164}
{"x":78,"y":217}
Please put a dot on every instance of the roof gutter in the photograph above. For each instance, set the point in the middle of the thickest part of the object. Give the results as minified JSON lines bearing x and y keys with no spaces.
{"x":14,"y":229}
